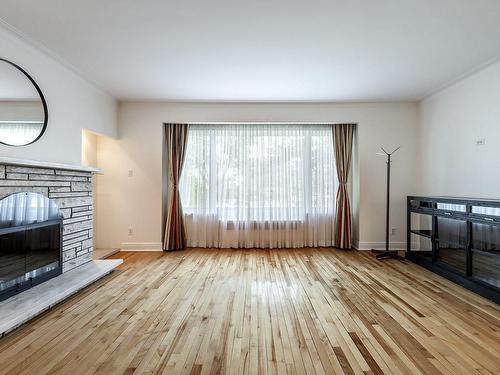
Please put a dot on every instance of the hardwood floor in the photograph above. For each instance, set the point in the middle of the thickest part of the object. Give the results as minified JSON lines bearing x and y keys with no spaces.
{"x":311,"y":311}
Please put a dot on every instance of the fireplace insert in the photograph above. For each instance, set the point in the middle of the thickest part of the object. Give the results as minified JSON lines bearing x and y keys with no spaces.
{"x":30,"y":242}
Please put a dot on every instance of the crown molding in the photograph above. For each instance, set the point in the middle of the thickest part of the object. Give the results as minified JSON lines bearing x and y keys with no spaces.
{"x":42,"y":48}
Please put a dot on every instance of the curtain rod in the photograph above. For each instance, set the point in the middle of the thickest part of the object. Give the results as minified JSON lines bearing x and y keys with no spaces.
{"x":266,"y":123}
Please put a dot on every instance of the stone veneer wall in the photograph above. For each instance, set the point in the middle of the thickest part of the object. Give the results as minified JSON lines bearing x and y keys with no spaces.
{"x":72,"y":192}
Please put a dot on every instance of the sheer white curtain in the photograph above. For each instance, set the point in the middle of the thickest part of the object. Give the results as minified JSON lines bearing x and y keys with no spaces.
{"x":266,"y":186}
{"x":19,"y":133}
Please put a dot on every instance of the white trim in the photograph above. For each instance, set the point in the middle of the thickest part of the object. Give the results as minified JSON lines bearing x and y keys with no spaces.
{"x":157,"y":246}
{"x":42,"y":48}
{"x":462,"y":77}
{"x":355,"y":244}
{"x":141,"y":246}
{"x":379,"y":245}
{"x":46,"y":164}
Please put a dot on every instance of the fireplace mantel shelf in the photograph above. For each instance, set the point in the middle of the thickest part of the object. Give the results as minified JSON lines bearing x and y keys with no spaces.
{"x":45,"y":164}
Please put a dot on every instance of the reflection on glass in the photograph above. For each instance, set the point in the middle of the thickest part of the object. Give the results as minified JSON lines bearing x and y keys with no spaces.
{"x":26,"y":208}
{"x":486,"y":268}
{"x":421,"y":245}
{"x":421,"y":223}
{"x":452,"y":233}
{"x":486,"y":237}
{"x":452,"y":240}
{"x":22,"y":113}
{"x":491,"y":211}
{"x":414,"y":203}
{"x":451,"y":207}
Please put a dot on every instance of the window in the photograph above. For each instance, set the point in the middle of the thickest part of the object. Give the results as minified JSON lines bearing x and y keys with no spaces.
{"x":258,"y":177}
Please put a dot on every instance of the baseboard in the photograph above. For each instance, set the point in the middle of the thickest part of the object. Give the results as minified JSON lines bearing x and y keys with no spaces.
{"x":355,"y":244}
{"x":141,"y":246}
{"x":157,"y":246}
{"x":379,"y":245}
{"x":105,"y":253}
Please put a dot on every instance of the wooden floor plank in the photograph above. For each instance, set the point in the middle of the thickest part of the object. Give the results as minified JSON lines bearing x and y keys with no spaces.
{"x":256,"y":311}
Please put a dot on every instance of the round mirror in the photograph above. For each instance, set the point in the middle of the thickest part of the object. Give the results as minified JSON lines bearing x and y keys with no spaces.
{"x":23,"y":111}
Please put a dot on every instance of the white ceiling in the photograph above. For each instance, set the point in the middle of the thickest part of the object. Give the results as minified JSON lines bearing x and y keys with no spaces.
{"x":264,"y":50}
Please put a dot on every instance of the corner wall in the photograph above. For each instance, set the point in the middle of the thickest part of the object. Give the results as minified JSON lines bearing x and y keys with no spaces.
{"x":452,"y":121}
{"x":73,"y":104}
{"x":130,"y":192}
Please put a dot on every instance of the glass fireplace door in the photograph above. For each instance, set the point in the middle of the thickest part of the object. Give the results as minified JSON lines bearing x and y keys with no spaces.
{"x":42,"y":254}
{"x":12,"y":260}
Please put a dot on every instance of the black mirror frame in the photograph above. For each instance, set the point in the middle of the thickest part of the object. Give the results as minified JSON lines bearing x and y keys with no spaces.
{"x":42,"y":98}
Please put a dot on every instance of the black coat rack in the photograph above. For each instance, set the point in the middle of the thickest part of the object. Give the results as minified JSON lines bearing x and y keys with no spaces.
{"x":387,"y":253}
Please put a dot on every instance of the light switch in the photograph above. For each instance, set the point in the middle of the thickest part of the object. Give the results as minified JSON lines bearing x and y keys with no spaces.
{"x":130,"y":172}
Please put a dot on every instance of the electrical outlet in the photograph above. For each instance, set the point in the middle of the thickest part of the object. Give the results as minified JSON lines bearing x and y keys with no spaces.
{"x":480,"y":142}
{"x":130,"y":232}
{"x":130,"y":173}
{"x":393,"y":231}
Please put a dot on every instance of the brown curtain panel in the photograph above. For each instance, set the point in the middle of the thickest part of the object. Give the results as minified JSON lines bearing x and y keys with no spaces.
{"x":342,"y":144}
{"x":176,"y":136}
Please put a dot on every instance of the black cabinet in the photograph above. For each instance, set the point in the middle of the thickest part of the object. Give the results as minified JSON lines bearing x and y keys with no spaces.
{"x":457,"y":238}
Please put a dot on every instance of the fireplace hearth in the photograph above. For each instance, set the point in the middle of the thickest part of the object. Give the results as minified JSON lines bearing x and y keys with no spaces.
{"x":30,"y":241}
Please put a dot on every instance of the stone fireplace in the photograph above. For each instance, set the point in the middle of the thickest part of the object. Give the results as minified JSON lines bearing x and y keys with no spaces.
{"x":69,"y":187}
{"x":71,"y":190}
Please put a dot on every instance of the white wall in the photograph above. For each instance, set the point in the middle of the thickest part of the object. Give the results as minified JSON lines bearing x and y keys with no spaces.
{"x":73,"y":104}
{"x":135,"y":202}
{"x":89,"y":148}
{"x":451,"y":122}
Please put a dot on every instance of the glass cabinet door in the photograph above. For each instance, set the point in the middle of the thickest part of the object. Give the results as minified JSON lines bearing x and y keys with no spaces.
{"x":421,"y":246}
{"x":421,"y":235}
{"x":451,"y":243}
{"x":486,"y":253}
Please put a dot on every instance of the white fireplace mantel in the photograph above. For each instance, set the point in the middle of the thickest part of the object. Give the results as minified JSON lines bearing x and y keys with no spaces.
{"x":46,"y":164}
